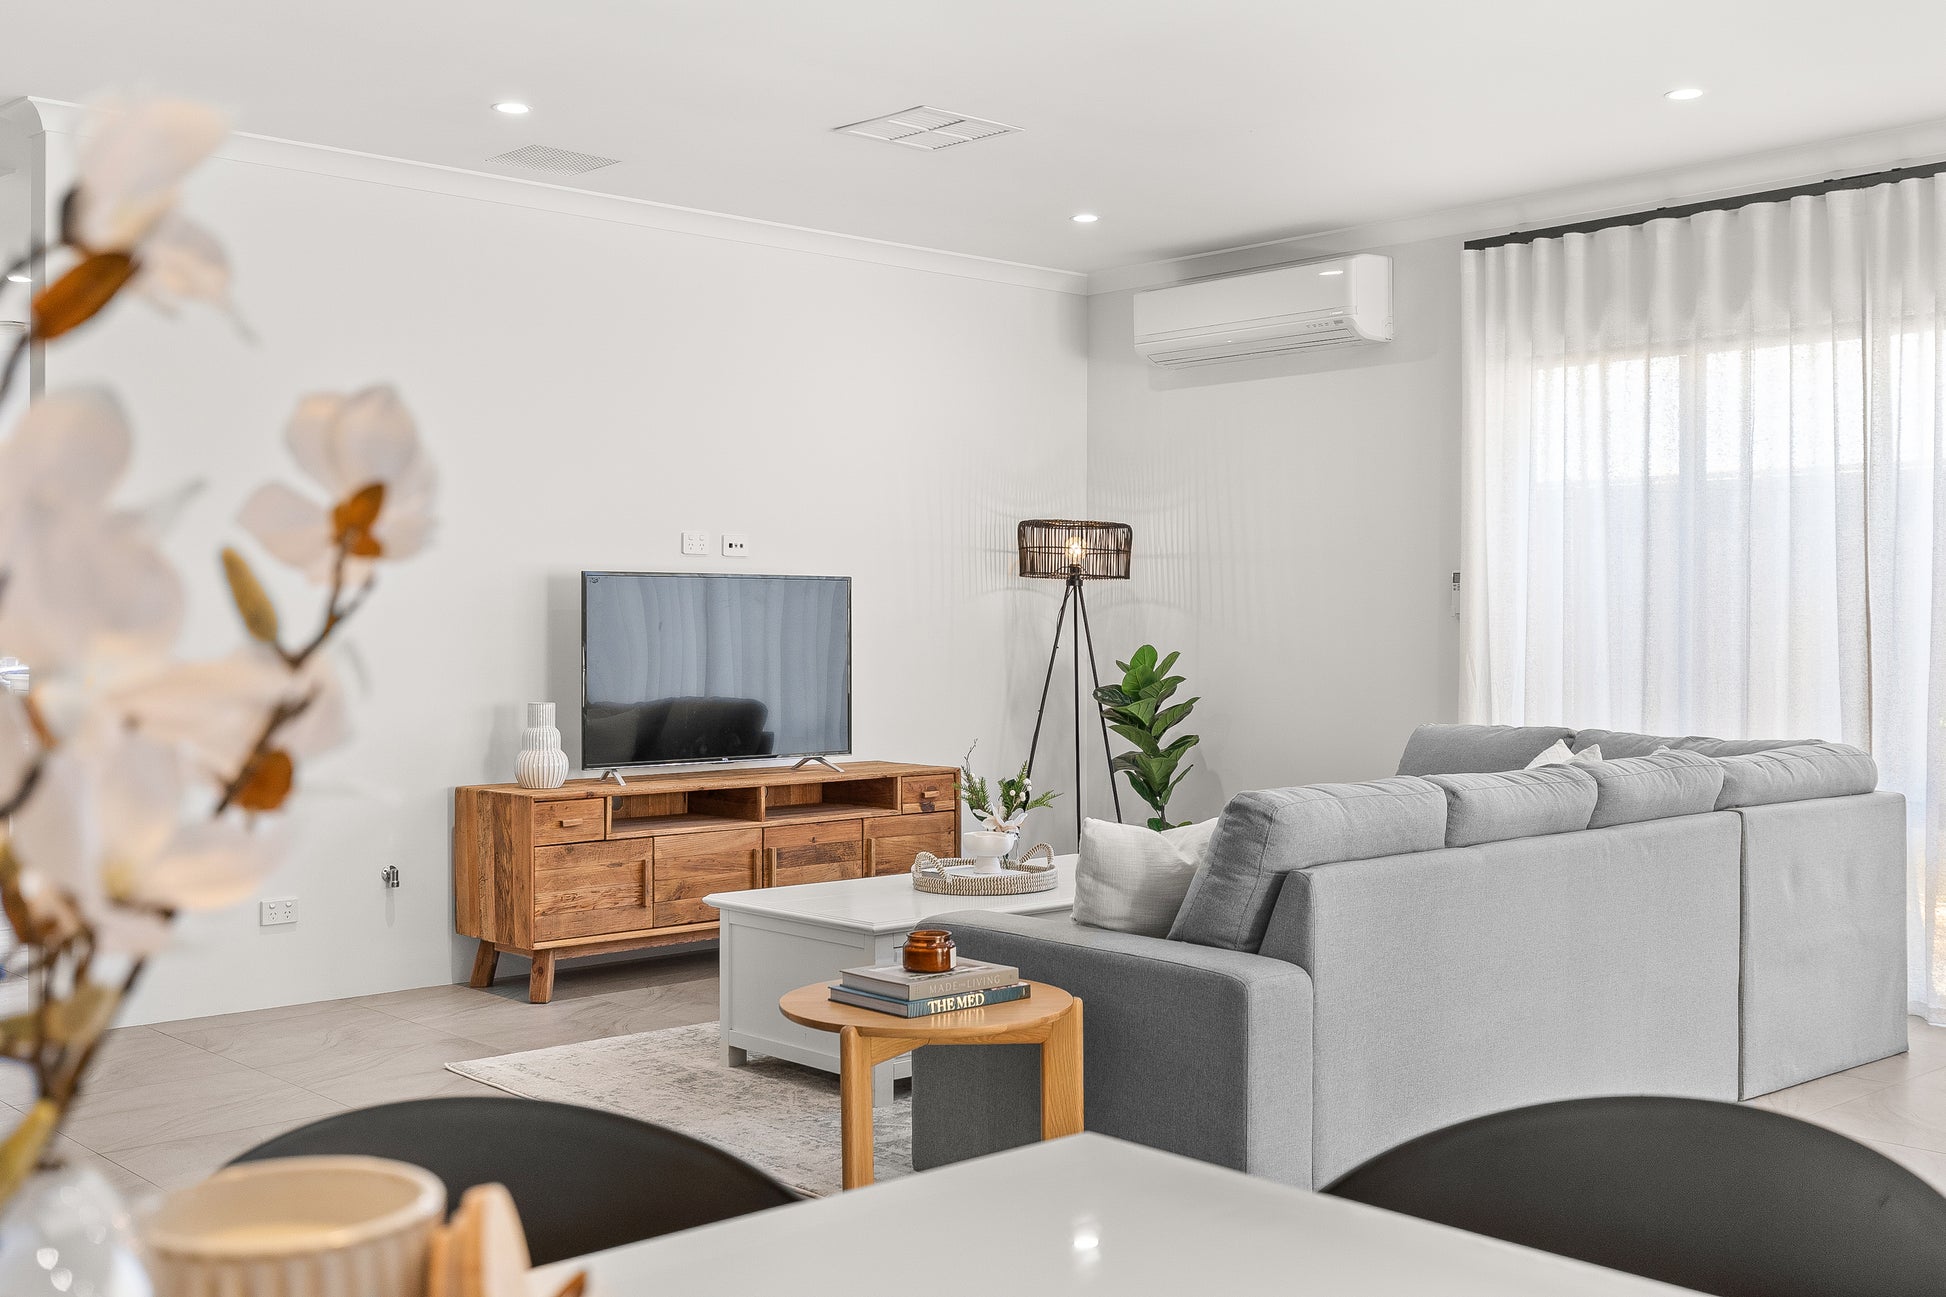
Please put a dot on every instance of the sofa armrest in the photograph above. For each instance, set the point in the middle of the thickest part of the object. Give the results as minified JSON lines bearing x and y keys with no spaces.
{"x":1190,"y":1049}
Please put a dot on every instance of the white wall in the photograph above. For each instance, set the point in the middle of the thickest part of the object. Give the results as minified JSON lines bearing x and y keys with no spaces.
{"x":1296,"y":526}
{"x":589,"y":387}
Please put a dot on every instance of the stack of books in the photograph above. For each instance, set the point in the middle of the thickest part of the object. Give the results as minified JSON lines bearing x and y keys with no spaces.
{"x":969,"y":984}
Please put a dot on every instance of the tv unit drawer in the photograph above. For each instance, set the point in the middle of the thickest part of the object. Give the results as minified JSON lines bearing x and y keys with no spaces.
{"x":921,"y":794}
{"x":584,"y":889}
{"x":690,"y":866}
{"x":815,"y":853}
{"x":891,"y":843}
{"x":576,"y":819}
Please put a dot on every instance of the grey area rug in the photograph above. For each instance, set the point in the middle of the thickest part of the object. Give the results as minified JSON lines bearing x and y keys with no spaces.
{"x":775,"y":1115}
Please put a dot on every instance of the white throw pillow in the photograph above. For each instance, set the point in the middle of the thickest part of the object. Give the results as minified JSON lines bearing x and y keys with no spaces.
{"x":1133,"y":879}
{"x":1562,"y":755}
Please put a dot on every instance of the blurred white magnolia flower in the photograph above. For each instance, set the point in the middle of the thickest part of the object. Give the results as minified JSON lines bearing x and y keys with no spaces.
{"x":18,"y":746}
{"x":348,"y":444}
{"x":133,"y":160}
{"x":104,"y":829}
{"x":79,"y":577}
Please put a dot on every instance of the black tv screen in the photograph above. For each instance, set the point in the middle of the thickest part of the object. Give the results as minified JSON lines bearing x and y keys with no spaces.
{"x":708,"y":667}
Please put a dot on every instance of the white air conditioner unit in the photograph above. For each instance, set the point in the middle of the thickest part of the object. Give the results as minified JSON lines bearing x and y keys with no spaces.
{"x":1314,"y":304}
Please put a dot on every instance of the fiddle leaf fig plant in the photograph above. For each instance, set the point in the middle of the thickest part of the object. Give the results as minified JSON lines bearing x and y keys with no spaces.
{"x":1139,"y":710}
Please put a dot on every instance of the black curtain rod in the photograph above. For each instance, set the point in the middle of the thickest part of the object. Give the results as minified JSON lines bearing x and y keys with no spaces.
{"x":1715,"y":205}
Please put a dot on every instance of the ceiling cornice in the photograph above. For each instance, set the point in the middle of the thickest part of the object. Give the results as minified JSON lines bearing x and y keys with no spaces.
{"x":1921,"y":142}
{"x":63,"y":118}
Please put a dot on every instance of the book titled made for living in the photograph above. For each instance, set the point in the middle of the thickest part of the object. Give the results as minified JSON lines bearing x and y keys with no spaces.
{"x":925,"y":1008}
{"x":896,"y":983}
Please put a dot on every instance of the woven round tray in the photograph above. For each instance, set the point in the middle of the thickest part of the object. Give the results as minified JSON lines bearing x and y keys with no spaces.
{"x":953,"y":877}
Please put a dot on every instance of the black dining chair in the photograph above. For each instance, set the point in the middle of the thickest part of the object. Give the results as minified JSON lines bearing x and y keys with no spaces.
{"x":1717,"y":1197}
{"x":583,"y":1179}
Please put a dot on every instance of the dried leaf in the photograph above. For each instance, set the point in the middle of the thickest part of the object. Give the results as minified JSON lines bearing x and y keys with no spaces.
{"x":74,"y":298}
{"x":73,"y":1023}
{"x":19,"y":918}
{"x":21,"y":1152}
{"x":268,"y":782}
{"x":259,"y":614}
{"x":356,"y":514}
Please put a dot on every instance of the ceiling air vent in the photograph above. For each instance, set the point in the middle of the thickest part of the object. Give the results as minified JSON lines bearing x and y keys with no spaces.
{"x":540,"y":157}
{"x":928,"y":128}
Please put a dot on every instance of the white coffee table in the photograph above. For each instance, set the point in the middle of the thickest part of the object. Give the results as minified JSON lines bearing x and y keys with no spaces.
{"x":778,"y":938}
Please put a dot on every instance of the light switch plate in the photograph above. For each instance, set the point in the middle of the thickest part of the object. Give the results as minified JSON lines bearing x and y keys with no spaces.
{"x":736,"y":545}
{"x":695,"y":543}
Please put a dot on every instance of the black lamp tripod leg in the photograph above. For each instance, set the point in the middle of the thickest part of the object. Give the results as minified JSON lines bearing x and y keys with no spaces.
{"x":1087,"y":629}
{"x":1074,"y":584}
{"x":1053,"y":655}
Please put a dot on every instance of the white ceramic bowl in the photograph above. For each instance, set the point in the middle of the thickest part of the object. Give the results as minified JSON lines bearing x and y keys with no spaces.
{"x":297,"y":1227}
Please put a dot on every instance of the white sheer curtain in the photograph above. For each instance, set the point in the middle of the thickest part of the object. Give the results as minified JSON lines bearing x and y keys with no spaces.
{"x":1703,"y":489}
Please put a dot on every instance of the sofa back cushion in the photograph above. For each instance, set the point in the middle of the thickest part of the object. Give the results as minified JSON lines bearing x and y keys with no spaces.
{"x":1797,"y":773}
{"x":1624,"y":743}
{"x":1262,"y":836}
{"x":1654,"y":787}
{"x":1493,"y":807}
{"x":1472,"y":749}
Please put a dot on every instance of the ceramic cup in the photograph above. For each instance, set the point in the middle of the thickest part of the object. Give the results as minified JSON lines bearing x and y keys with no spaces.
{"x":297,"y":1227}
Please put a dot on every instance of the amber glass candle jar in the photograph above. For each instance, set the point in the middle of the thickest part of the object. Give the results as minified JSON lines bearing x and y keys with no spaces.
{"x":928,"y":950}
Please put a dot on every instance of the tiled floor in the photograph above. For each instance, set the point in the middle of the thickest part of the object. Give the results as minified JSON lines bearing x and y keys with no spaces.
{"x":168,"y":1104}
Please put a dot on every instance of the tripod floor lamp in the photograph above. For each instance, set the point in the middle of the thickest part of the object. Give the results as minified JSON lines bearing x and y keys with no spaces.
{"x":1059,"y":549}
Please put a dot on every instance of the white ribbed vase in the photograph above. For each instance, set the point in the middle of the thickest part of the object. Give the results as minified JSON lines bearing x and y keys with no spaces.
{"x":297,"y":1227}
{"x":541,"y":763}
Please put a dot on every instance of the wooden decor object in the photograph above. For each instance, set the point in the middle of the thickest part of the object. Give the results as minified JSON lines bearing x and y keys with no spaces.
{"x":592,"y":867}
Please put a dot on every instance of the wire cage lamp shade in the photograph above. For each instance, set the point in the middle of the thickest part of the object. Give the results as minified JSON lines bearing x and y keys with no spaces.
{"x":1062,"y":547}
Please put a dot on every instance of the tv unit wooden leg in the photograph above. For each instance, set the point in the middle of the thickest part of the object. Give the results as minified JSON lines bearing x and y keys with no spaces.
{"x":486,"y":960}
{"x":540,"y":981}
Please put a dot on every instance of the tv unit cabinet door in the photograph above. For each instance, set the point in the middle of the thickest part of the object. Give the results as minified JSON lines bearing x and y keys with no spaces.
{"x":892,"y":843}
{"x":690,"y":866}
{"x":586,"y":889}
{"x":815,"y":853}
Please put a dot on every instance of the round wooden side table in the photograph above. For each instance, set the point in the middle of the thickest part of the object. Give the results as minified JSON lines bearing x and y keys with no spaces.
{"x":1048,"y":1017}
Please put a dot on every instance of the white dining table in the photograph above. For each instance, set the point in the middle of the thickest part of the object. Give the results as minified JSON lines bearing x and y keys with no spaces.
{"x":1084,"y":1214}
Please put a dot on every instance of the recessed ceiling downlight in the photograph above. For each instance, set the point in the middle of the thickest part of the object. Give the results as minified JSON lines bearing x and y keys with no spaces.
{"x":1334,"y":271}
{"x":1084,"y":218}
{"x":512,"y":108}
{"x":1684,"y":94}
{"x":20,"y":277}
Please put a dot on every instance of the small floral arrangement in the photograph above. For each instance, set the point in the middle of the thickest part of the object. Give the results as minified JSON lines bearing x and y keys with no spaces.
{"x":1017,"y":797}
{"x":141,"y":783}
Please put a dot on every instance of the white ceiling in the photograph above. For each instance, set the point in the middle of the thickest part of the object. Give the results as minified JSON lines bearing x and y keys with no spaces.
{"x":1186,"y":124}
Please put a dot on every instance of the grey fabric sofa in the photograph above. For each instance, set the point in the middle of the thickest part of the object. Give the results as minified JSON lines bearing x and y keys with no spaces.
{"x":1358,"y":964}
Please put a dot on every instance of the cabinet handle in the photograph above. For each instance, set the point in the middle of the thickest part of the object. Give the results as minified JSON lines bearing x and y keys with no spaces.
{"x":871,"y":857}
{"x":756,"y":867}
{"x":770,"y":866}
{"x":568,"y":824}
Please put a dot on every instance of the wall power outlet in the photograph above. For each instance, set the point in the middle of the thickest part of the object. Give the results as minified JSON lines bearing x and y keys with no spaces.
{"x":275,"y":910}
{"x":736,"y":545}
{"x":695,"y":543}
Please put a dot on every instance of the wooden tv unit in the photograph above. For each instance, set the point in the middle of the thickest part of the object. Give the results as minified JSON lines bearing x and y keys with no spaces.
{"x":594,"y":866}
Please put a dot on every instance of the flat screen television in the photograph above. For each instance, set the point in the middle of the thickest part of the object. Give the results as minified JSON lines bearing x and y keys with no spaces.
{"x":680,"y":666}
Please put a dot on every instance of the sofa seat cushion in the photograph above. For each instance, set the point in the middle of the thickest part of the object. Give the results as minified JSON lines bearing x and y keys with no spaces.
{"x":1493,"y":807}
{"x":1133,"y":879}
{"x":1797,"y":773}
{"x":1471,"y":749}
{"x":1624,"y":743}
{"x":1655,"y":787}
{"x":1262,"y":836}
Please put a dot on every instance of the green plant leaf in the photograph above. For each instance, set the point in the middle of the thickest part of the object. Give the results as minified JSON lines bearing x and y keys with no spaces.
{"x":1162,"y":667}
{"x":1170,"y":717}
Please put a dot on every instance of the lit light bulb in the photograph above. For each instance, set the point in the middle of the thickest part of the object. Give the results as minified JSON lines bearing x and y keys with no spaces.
{"x":1076,"y":551}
